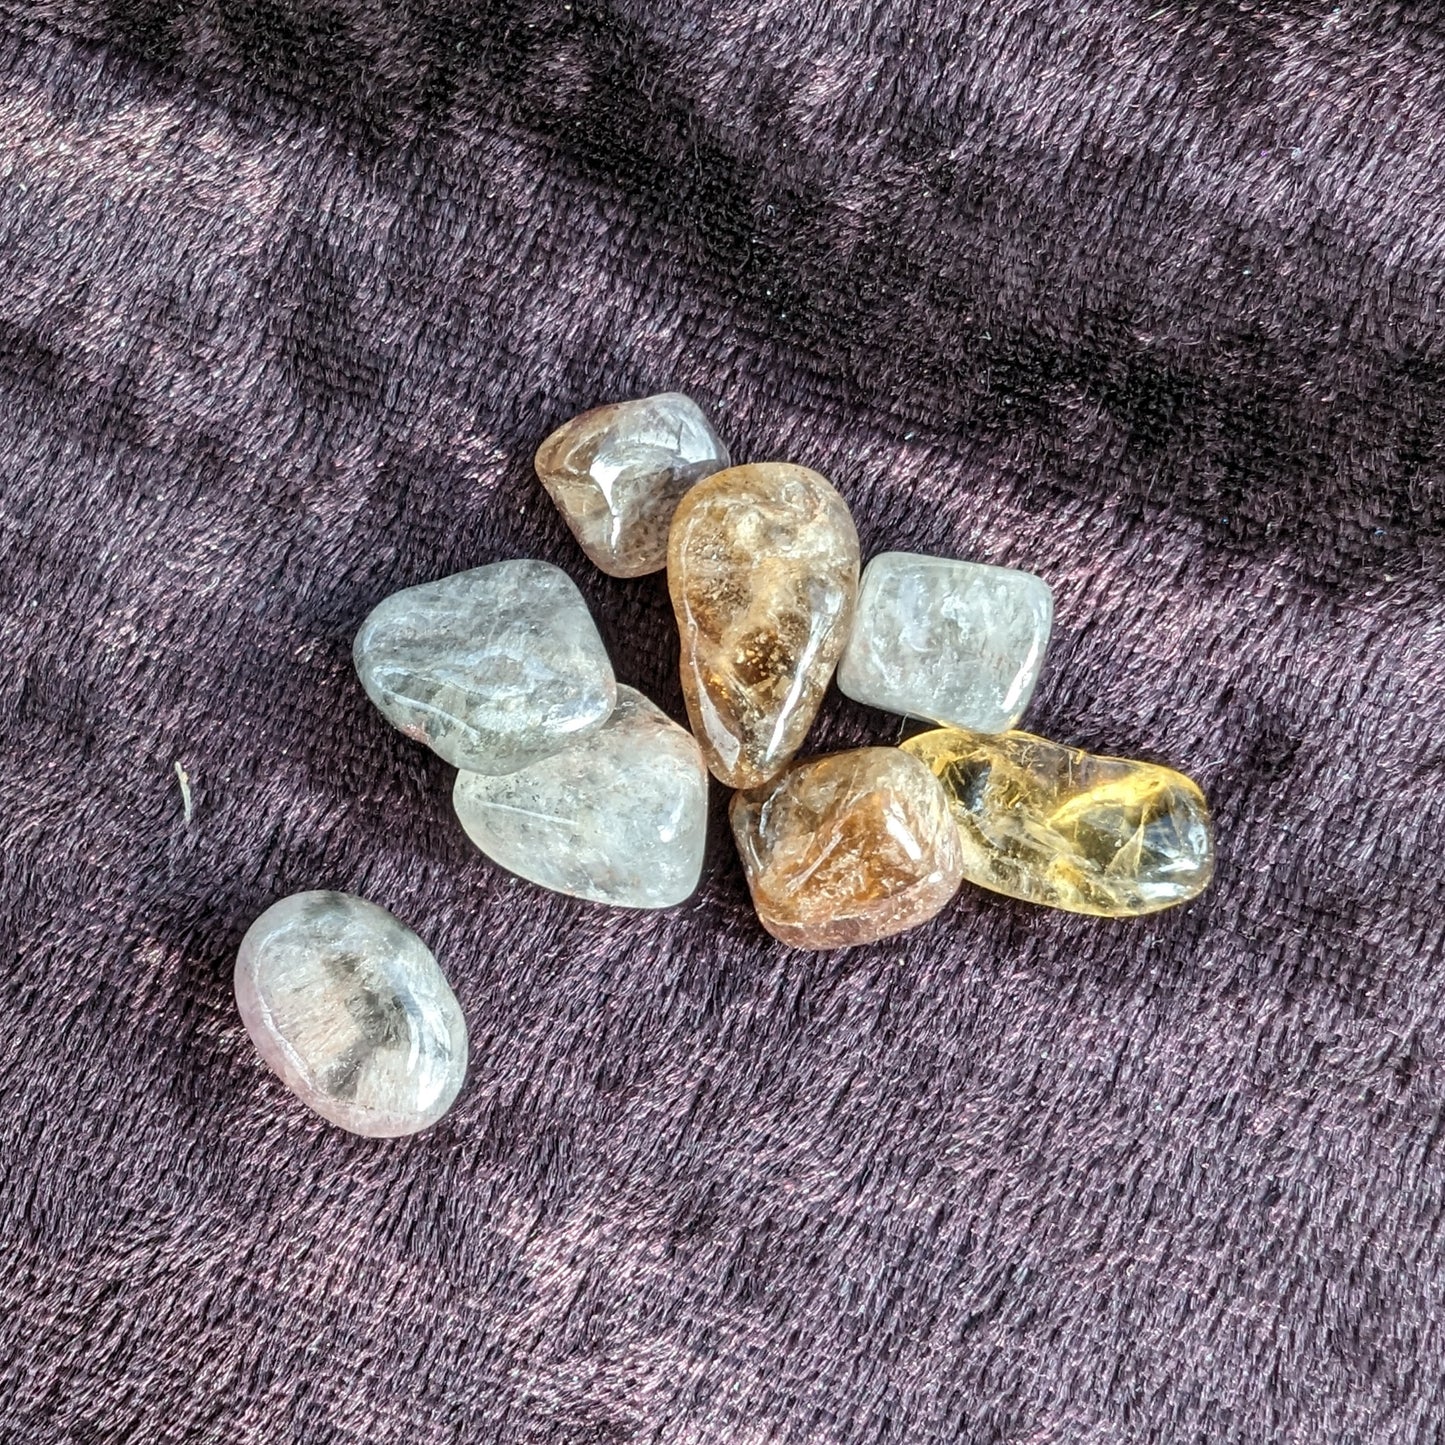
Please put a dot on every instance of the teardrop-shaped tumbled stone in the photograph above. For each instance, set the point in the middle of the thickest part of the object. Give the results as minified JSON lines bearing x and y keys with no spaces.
{"x":1054,"y":825}
{"x":762,"y":565}
{"x":348,"y":1006}
{"x":848,"y":848}
{"x":618,"y":817}
{"x":492,"y":668}
{"x":618,"y":472}
{"x":957,"y":642}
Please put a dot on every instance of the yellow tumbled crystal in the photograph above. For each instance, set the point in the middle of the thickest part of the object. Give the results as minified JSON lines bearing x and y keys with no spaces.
{"x":1055,"y":825}
{"x":762,"y":565}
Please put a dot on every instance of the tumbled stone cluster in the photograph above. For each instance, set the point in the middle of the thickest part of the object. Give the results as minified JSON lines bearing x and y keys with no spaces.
{"x":763,"y":569}
{"x":587,"y":787}
{"x":583,"y":785}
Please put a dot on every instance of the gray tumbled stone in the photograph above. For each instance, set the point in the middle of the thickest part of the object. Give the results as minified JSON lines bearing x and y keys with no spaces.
{"x":958,"y":643}
{"x":348,"y":1006}
{"x":492,"y":668}
{"x":618,"y":472}
{"x":618,"y":817}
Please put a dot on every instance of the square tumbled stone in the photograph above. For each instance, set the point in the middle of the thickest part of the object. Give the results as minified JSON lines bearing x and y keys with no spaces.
{"x":958,"y":643}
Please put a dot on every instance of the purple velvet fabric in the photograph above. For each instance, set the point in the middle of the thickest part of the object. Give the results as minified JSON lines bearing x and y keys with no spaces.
{"x":1146,"y":298}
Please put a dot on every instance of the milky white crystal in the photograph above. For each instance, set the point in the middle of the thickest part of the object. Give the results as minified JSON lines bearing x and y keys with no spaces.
{"x":959,"y":643}
{"x":618,"y":817}
{"x":491,"y":668}
{"x":348,"y":1006}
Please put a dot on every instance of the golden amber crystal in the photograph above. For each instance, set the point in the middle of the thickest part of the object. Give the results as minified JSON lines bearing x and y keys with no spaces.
{"x":848,"y":848}
{"x":1055,"y":825}
{"x":762,"y":564}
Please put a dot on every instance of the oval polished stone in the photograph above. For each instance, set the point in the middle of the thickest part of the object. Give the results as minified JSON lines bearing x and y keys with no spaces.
{"x":491,"y":668}
{"x":762,"y":566}
{"x":347,"y":1005}
{"x":848,"y":848}
{"x":618,"y":817}
{"x":955,"y":642}
{"x":1054,"y":825}
{"x":618,"y":472}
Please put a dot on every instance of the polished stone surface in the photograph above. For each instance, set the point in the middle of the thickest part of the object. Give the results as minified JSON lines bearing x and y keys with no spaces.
{"x":492,"y":668}
{"x":763,"y":569}
{"x":617,"y":817}
{"x":347,"y":1005}
{"x":618,"y":472}
{"x":1054,"y":825}
{"x":848,"y":848}
{"x":956,"y":642}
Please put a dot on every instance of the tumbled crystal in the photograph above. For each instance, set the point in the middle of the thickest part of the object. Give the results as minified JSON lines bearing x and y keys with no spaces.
{"x":347,"y":1005}
{"x":618,"y":472}
{"x":848,"y":848}
{"x":956,"y":642}
{"x":1054,"y":825}
{"x":492,"y":668}
{"x":617,"y":817}
{"x":762,"y":565}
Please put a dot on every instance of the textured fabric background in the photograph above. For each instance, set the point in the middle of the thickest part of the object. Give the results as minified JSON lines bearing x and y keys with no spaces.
{"x":1146,"y":297}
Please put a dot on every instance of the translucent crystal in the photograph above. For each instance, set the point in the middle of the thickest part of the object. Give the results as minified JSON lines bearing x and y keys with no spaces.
{"x":848,"y":848}
{"x":617,"y":817}
{"x":956,"y":642}
{"x":763,"y":569}
{"x":618,"y":472}
{"x":347,"y":1005}
{"x":491,"y":668}
{"x":1054,"y":825}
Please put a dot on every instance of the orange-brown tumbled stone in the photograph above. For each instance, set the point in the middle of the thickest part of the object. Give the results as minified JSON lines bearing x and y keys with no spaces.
{"x":762,"y":564}
{"x":848,"y":848}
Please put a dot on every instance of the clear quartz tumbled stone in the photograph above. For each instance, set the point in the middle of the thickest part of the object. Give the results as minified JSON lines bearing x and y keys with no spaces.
{"x":492,"y":668}
{"x":348,"y":1006}
{"x":618,"y":817}
{"x":618,"y":472}
{"x":958,"y":643}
